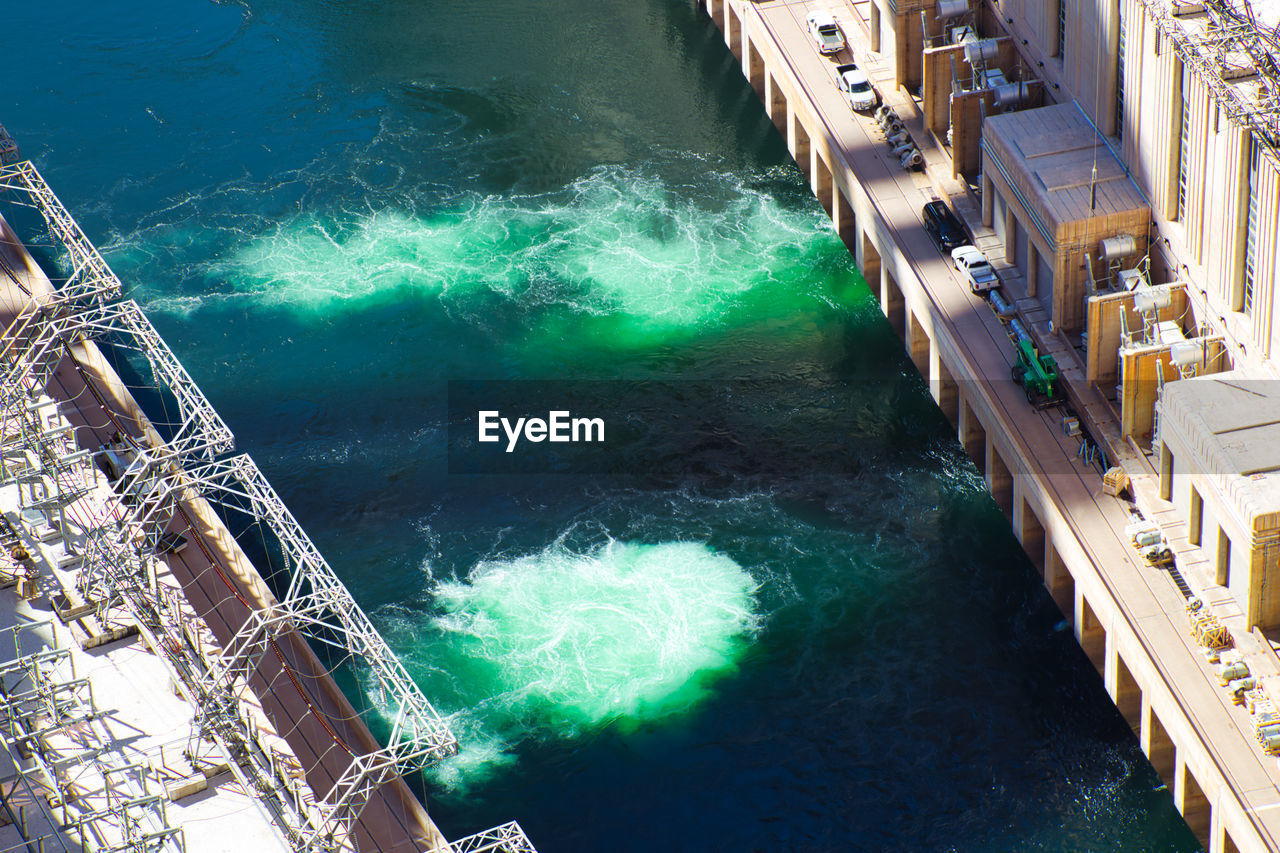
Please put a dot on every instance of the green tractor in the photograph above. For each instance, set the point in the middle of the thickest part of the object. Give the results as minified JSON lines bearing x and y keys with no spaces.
{"x":1037,"y":374}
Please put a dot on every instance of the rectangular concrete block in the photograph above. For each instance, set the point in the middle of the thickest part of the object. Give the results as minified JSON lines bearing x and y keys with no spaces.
{"x":186,"y":786}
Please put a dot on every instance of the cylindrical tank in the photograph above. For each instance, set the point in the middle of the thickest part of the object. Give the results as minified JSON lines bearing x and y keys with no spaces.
{"x":1012,"y":95}
{"x":1147,"y":538}
{"x":1002,"y":305}
{"x":1231,"y":671}
{"x":1019,"y":330}
{"x":1120,"y":246}
{"x":980,"y":51}
{"x":952,"y":8}
{"x":1150,"y":299}
{"x":1186,"y":353}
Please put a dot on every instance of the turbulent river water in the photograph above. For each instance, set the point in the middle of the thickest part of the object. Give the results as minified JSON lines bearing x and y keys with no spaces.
{"x":809,"y":628}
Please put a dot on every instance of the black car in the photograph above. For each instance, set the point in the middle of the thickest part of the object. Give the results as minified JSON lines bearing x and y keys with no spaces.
{"x":943,"y":226}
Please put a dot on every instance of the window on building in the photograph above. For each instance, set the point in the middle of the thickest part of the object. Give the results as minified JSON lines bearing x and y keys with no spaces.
{"x":1120,"y":74}
{"x":1062,"y":29}
{"x":1224,"y":558}
{"x":1184,"y":146}
{"x":1251,"y":226}
{"x":1195,"y":524}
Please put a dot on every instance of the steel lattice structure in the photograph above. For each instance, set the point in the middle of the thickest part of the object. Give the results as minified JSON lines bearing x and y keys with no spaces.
{"x":8,"y":147}
{"x":201,"y":431}
{"x":1222,"y":48}
{"x":315,"y":604}
{"x":90,"y":277}
{"x":508,"y":838}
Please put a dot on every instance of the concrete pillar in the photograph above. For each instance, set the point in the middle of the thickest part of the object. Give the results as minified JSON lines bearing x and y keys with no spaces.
{"x":1222,"y":836}
{"x":798,"y":142}
{"x":1033,"y":268}
{"x":988,"y":200}
{"x":918,"y":344}
{"x":1090,"y":633}
{"x":846,"y":222}
{"x":733,"y":30}
{"x":1157,"y":744}
{"x":1189,"y":797}
{"x":869,"y":263}
{"x":999,"y":479}
{"x":754,"y":67}
{"x":716,"y":8}
{"x":972,"y":435}
{"x":874,"y":26}
{"x":820,"y":174}
{"x":892,"y":303}
{"x":1124,"y":690}
{"x":776,"y":104}
{"x":942,"y":385}
{"x":1010,"y":235}
{"x":1058,"y":579}
{"x":1030,"y":532}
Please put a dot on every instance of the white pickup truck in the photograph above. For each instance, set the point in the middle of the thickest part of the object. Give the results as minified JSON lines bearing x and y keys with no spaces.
{"x":853,"y":82}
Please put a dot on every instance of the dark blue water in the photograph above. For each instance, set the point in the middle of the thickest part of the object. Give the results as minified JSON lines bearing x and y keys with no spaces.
{"x":816,"y":632}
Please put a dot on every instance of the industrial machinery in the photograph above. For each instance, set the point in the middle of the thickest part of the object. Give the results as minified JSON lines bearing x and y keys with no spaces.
{"x":1036,"y":373}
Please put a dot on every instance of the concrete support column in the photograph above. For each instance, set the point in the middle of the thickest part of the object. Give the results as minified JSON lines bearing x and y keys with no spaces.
{"x":1029,"y":530}
{"x":846,"y":222}
{"x":892,"y":303}
{"x":1124,"y":688}
{"x":1090,"y":633}
{"x":869,"y":263}
{"x":821,"y":182}
{"x":798,"y":142}
{"x":732,"y":30}
{"x":874,"y":26}
{"x":999,"y":479}
{"x":1010,"y":236}
{"x":753,"y":67}
{"x":1033,"y":268}
{"x":1058,"y":579}
{"x":776,"y":104}
{"x":918,"y":344}
{"x":988,"y":200}
{"x":972,"y":435}
{"x":1189,"y":797}
{"x":1157,"y":745}
{"x":1222,"y":842}
{"x":942,"y":385}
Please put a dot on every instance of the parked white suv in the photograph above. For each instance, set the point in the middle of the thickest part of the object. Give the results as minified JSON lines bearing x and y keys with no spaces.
{"x":856,"y":86}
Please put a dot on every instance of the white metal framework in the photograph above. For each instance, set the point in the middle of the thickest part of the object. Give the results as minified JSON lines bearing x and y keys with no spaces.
{"x":1222,"y":48}
{"x":8,"y":147}
{"x":200,"y":431}
{"x":315,"y":602}
{"x":119,"y":571}
{"x":508,"y":838}
{"x":41,"y":699}
{"x":90,"y":276}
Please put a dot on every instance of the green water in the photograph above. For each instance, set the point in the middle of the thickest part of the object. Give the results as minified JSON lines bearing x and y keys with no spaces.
{"x":620,"y":635}
{"x":819,"y":635}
